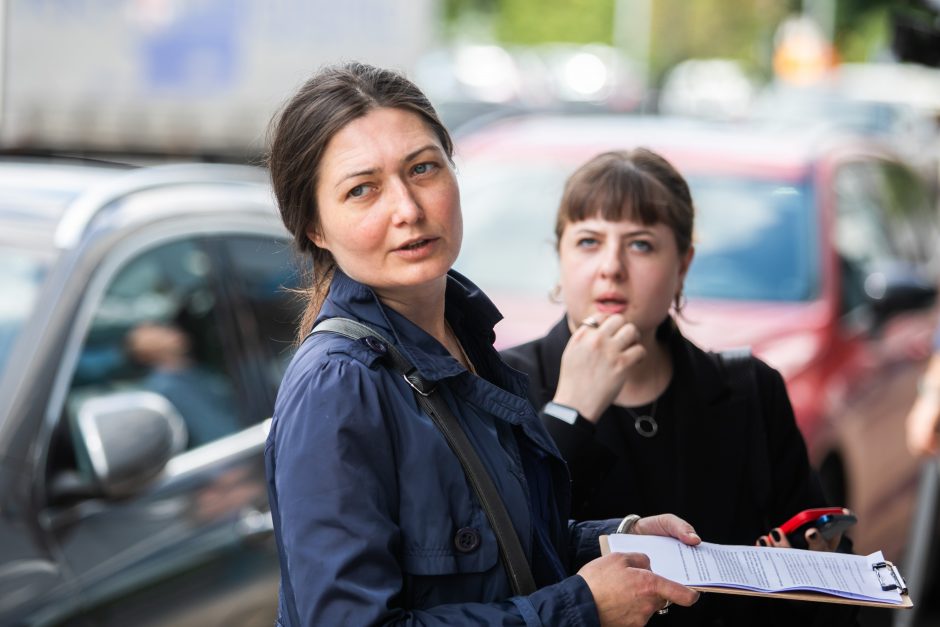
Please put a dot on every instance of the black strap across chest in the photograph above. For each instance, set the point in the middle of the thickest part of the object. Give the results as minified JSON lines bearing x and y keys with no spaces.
{"x":431,"y":402}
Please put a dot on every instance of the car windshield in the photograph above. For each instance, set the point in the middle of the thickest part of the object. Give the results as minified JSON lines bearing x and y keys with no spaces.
{"x":755,"y":238}
{"x":21,"y":275}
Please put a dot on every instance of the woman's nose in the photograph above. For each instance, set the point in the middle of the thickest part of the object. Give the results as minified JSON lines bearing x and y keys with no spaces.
{"x":405,"y":206}
{"x":612,"y":264}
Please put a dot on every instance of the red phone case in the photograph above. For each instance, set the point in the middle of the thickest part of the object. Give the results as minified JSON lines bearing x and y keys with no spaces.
{"x":807,"y":515}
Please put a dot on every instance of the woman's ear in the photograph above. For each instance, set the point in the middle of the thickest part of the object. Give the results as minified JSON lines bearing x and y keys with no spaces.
{"x":315,"y":236}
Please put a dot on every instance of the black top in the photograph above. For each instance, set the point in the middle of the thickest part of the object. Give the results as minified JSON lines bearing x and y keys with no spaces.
{"x":727,"y":457}
{"x":652,"y":455}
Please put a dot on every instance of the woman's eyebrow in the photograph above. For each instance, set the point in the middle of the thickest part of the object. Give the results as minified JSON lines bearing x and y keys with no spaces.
{"x":411,"y":155}
{"x":353,"y":175}
{"x":589,"y":231}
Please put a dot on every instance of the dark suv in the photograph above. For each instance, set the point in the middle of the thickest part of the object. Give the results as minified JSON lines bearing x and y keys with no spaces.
{"x":145,"y":321}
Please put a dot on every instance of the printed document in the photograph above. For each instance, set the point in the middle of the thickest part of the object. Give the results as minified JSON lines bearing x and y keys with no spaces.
{"x":762,"y":569}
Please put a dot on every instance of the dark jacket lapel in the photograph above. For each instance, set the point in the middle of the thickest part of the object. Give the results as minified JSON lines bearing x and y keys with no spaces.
{"x":712,"y":441}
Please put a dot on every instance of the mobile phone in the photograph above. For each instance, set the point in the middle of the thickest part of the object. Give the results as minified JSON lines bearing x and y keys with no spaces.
{"x":831,"y":525}
{"x":829,"y":521}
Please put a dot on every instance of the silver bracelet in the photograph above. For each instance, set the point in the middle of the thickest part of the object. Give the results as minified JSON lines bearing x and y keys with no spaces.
{"x":628,"y":523}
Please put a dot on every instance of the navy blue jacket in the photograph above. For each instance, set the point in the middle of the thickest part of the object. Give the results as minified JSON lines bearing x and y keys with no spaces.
{"x":368,"y":497}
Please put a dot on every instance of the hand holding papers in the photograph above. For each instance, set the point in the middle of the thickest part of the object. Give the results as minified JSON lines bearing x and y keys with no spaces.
{"x":785,"y":573}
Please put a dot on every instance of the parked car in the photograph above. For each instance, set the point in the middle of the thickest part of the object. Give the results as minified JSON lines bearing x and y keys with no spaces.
{"x":813,"y":249}
{"x":144,"y":327}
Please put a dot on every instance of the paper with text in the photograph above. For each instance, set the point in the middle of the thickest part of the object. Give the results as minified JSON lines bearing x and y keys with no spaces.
{"x":762,"y":569}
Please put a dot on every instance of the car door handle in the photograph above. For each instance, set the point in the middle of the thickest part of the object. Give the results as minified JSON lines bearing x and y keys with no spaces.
{"x":255,"y":523}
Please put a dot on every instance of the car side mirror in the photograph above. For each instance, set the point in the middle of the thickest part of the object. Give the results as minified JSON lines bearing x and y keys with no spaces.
{"x":898,"y":289}
{"x":124,"y":440}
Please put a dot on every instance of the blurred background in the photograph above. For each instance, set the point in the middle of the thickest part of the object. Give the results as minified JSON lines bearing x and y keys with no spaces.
{"x":144,"y":275}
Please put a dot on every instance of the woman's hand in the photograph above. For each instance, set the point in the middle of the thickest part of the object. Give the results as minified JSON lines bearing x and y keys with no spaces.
{"x":814,"y":540}
{"x":667,"y":525}
{"x":595,"y":363}
{"x":627,"y":593}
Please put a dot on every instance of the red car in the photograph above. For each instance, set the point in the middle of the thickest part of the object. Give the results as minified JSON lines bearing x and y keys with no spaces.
{"x":813,"y":249}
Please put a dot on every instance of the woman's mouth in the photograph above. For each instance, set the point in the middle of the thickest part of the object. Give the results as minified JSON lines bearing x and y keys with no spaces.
{"x":610,"y":305}
{"x":417,"y":249}
{"x":415,"y":245}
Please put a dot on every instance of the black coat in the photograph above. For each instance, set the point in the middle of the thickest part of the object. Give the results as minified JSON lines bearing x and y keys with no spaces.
{"x":739,"y":464}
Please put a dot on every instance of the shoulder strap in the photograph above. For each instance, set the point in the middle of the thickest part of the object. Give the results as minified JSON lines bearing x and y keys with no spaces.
{"x":513,"y":556}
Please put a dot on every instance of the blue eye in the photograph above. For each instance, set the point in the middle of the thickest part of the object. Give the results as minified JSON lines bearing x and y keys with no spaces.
{"x":357,"y":191}
{"x":587,"y":242}
{"x":641,"y":245}
{"x":423,"y":168}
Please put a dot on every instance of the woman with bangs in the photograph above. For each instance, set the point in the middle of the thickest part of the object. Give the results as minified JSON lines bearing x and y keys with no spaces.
{"x":647,"y":420}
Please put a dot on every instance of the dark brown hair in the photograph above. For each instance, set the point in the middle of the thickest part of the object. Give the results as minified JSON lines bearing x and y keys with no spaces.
{"x":637,"y":185}
{"x":298,"y":136}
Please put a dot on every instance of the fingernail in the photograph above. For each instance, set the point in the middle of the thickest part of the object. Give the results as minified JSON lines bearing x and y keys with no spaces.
{"x":762,"y":541}
{"x":775,"y":534}
{"x":692,"y":534}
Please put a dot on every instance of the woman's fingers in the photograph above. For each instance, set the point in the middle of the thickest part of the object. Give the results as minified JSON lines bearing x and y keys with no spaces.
{"x":675,"y":592}
{"x":814,"y":540}
{"x":817,"y":542}
{"x":637,"y":560}
{"x":776,"y":538}
{"x":667,"y":525}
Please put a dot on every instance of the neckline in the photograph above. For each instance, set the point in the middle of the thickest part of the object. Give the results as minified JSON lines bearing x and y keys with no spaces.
{"x":464,"y":358}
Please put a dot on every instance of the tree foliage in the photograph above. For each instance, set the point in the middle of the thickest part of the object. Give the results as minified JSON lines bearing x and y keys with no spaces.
{"x":738,"y":29}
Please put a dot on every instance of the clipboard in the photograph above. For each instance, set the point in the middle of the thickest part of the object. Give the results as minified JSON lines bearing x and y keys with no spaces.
{"x":888,"y":576}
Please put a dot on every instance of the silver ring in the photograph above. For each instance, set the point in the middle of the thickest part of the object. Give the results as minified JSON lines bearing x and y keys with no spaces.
{"x":589,"y":322}
{"x":665,"y":608}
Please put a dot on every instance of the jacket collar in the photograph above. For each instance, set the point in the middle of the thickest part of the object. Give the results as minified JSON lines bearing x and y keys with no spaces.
{"x":712,"y":421}
{"x":468,"y":310}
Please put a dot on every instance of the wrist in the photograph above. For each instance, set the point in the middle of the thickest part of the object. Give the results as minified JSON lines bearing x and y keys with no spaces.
{"x":574,"y":401}
{"x":568,"y":414}
{"x":628,"y":524}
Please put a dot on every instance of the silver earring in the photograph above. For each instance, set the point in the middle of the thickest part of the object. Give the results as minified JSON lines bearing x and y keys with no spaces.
{"x":554,"y":294}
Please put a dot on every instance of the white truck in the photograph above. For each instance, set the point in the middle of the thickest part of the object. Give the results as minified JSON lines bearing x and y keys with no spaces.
{"x":183,"y":77}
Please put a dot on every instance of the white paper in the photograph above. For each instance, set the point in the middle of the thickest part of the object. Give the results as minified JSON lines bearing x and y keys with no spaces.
{"x":763,"y":569}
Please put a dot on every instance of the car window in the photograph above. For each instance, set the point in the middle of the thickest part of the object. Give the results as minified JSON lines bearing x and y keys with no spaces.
{"x":754,"y":239}
{"x":860,"y":236}
{"x":911,"y":223}
{"x":861,"y":240}
{"x":264,"y":274}
{"x":20,"y":277}
{"x":159,"y":328}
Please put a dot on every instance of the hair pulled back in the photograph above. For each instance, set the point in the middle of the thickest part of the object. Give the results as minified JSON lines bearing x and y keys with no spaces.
{"x":298,"y":137}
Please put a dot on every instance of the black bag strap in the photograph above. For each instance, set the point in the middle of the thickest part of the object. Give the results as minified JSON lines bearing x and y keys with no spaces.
{"x":513,"y":556}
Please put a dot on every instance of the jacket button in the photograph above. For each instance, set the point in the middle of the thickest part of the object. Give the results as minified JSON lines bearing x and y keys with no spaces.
{"x":375,"y":344}
{"x":467,"y":539}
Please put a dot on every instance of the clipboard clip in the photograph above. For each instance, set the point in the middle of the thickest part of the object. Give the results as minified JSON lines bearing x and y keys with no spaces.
{"x":898,"y":581}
